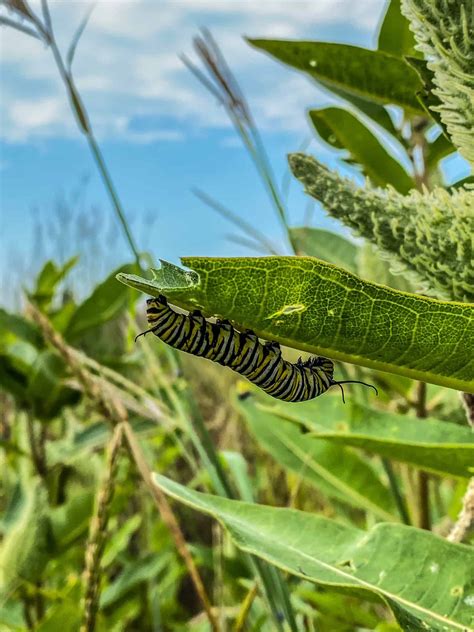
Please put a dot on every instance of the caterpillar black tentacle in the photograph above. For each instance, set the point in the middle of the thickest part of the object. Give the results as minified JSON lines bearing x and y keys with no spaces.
{"x":243,"y":352}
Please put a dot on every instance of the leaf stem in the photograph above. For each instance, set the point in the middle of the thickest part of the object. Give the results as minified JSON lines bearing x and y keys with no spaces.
{"x":424,"y":517}
{"x":109,"y":185}
{"x":397,"y":495}
{"x":37,"y":447}
{"x":245,"y":608}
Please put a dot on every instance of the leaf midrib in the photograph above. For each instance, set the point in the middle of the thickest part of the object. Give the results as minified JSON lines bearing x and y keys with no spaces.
{"x":246,"y":528}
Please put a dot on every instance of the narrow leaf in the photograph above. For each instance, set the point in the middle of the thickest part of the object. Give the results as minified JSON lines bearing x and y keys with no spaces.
{"x":48,"y":279}
{"x":24,"y":552}
{"x":77,"y":36}
{"x":342,"y":130}
{"x":431,"y":445}
{"x":395,"y":36}
{"x":375,"y":111}
{"x":136,"y":572}
{"x":374,"y":75}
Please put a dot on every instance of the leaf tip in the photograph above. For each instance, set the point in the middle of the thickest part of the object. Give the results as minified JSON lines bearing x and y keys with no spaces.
{"x":121,"y":277}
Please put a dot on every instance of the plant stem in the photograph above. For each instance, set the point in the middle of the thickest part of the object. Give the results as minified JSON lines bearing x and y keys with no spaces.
{"x":399,"y":500}
{"x":98,"y":535}
{"x":465,"y":519}
{"x":39,"y":601}
{"x":275,"y":589}
{"x":109,"y":185}
{"x":37,"y":450}
{"x":30,"y":624}
{"x":418,"y":140}
{"x":423,"y":480}
{"x":245,"y":608}
{"x":224,"y":87}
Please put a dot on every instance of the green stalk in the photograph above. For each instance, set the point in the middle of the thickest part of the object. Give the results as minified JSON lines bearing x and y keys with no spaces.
{"x":399,"y":500}
{"x":83,"y":122}
{"x":107,"y":180}
{"x":423,"y":480}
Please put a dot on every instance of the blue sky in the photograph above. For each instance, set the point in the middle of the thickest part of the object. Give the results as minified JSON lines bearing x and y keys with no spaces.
{"x":160,"y":131}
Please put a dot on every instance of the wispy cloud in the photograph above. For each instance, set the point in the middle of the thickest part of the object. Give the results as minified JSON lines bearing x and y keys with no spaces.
{"x":127,"y":66}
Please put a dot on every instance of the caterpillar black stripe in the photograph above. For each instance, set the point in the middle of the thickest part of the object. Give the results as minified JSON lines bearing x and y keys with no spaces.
{"x":260,"y":363}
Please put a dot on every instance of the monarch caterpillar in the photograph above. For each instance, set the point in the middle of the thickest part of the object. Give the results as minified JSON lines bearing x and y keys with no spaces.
{"x":260,"y":363}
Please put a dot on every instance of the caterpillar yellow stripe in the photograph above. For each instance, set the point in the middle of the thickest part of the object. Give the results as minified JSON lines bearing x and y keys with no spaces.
{"x":261,"y":363}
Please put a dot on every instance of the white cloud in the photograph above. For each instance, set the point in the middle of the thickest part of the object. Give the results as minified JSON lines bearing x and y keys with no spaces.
{"x":128,"y":72}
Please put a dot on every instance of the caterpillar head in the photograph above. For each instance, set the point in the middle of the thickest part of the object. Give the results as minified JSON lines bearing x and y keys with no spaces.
{"x":319,"y":363}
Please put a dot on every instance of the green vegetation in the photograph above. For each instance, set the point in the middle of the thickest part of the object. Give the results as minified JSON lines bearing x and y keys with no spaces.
{"x":120,"y":460}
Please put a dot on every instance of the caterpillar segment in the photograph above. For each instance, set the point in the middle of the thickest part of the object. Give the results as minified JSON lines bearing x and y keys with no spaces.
{"x":261,"y":363}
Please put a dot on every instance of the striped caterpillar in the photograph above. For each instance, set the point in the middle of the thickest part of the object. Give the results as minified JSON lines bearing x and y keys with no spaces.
{"x":261,"y":363}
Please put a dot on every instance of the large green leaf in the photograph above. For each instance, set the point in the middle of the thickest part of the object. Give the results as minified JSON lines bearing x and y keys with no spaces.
{"x":336,"y":471}
{"x":395,"y":36}
{"x":342,"y":130}
{"x":427,"y":582}
{"x":307,"y":304}
{"x":370,"y":74}
{"x":432,"y":445}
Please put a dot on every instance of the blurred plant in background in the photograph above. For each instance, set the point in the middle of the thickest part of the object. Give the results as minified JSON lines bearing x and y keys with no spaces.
{"x":86,"y":414}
